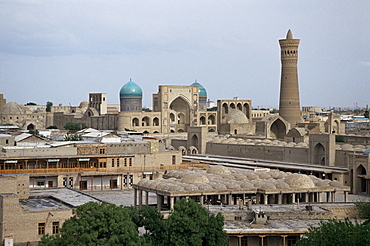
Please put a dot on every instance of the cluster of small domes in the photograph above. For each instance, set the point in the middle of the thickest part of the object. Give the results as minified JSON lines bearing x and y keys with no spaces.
{"x":218,"y":178}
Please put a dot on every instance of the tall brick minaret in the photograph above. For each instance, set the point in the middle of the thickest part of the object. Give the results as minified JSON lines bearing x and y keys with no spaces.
{"x":289,"y":107}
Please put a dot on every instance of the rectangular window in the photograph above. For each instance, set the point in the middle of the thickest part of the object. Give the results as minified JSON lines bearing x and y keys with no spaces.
{"x":41,"y":228}
{"x":40,"y":183}
{"x":117,"y":162}
{"x":130,"y":161}
{"x":173,"y":159}
{"x":125,"y":162}
{"x":55,"y":227}
{"x":112,"y":162}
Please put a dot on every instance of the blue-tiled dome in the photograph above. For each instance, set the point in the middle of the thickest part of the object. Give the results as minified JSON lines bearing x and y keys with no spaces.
{"x":202,"y":90}
{"x":130,"y":89}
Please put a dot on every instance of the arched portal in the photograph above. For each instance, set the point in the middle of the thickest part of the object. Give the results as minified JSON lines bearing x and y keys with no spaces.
{"x":211,"y":120}
{"x":225,"y":108}
{"x":31,"y":127}
{"x":335,"y":127}
{"x":182,"y":108}
{"x":319,"y":154}
{"x":361,"y":181}
{"x":194,"y":141}
{"x":246,"y":109}
{"x":155,"y":121}
{"x":135,"y":122}
{"x":277,"y":129}
{"x":145,"y":121}
{"x":202,"y":120}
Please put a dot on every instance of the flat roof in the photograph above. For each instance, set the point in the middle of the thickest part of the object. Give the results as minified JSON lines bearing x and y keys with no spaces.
{"x":250,"y":163}
{"x":67,"y":196}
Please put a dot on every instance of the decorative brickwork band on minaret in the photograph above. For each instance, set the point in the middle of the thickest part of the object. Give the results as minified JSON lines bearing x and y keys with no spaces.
{"x":289,"y":107}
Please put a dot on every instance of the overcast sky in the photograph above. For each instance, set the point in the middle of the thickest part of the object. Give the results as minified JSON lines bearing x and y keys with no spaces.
{"x":60,"y":51}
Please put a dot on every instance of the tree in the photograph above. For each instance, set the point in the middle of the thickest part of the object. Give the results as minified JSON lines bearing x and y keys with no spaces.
{"x":31,"y":103}
{"x":337,"y":233}
{"x":366,"y":114}
{"x":363,"y":209}
{"x":96,"y":224}
{"x":155,"y":226}
{"x":188,"y":224}
{"x":48,"y":106}
{"x":73,"y":137}
{"x":52,"y":127}
{"x":74,"y":126}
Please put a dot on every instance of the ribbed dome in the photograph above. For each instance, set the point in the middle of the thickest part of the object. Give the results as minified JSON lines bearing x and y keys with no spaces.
{"x":202,"y":90}
{"x":130,"y":89}
{"x":11,"y":108}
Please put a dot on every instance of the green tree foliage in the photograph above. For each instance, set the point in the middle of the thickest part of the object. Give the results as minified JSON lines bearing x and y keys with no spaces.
{"x":212,"y":109}
{"x":75,"y":126}
{"x":337,"y":233}
{"x":48,"y":106}
{"x":188,"y":224}
{"x":31,"y":103}
{"x":363,"y":209}
{"x":72,"y":137}
{"x":96,"y":224}
{"x":52,"y":127}
{"x":366,"y":114}
{"x":153,"y":222}
{"x":34,"y":132}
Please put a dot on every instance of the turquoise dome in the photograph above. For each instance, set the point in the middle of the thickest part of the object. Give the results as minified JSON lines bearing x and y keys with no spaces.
{"x":202,"y":90}
{"x":130,"y":89}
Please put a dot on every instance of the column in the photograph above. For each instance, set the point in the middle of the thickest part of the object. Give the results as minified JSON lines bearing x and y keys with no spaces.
{"x":293,"y":197}
{"x":265,"y":199}
{"x":239,"y":240}
{"x":146,"y":198}
{"x":159,"y":202}
{"x":135,"y":198}
{"x":262,"y":239}
{"x":346,"y":196}
{"x":140,"y":198}
{"x":172,"y":202}
{"x":327,"y":196}
{"x":280,"y":198}
{"x":258,"y":200}
{"x":307,"y":197}
{"x":319,"y":196}
{"x":201,"y":200}
{"x":284,"y":239}
{"x":231,"y":201}
{"x":333,"y":196}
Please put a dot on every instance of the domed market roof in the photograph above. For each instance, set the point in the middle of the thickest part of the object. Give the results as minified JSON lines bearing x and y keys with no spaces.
{"x":11,"y":108}
{"x":131,"y":89}
{"x":202,"y":90}
{"x":237,"y":117}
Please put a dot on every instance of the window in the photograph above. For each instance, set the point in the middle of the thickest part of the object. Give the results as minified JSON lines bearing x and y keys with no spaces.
{"x":40,"y":183}
{"x":130,"y":161}
{"x":117,"y":162}
{"x":125,"y":162}
{"x":41,"y":228}
{"x":55,"y":227}
{"x":173,"y":159}
{"x":112,"y":162}
{"x":102,"y":151}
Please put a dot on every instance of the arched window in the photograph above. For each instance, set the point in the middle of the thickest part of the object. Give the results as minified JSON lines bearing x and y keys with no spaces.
{"x":135,"y":122}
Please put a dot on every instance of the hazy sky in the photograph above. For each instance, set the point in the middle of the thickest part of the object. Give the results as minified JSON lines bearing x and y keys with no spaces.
{"x":60,"y":51}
